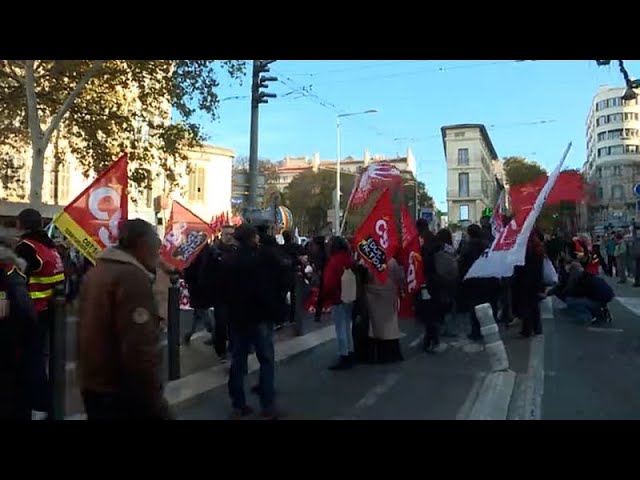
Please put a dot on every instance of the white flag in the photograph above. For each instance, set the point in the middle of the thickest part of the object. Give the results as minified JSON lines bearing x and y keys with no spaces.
{"x":510,"y":247}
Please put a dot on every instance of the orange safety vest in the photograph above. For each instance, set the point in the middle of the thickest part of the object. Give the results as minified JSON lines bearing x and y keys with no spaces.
{"x":42,"y":282}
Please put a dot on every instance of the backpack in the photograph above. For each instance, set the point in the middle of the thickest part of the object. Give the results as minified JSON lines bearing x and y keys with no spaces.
{"x":348,"y":286}
{"x":446,"y":266}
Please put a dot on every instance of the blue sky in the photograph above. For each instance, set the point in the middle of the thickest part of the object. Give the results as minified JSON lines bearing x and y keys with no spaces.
{"x":531,"y":108}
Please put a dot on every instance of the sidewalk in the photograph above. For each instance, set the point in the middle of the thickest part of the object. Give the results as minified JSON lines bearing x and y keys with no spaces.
{"x":194,"y":358}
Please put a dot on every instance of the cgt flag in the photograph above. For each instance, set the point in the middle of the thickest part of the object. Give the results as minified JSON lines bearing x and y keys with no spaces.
{"x":91,"y":221}
{"x":509,"y":248}
{"x":186,"y":235}
{"x":376,"y":240}
{"x":411,"y":257}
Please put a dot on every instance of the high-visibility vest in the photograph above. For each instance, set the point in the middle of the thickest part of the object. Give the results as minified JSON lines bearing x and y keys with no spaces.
{"x":42,"y":282}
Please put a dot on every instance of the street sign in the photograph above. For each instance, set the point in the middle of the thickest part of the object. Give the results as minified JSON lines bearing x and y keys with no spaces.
{"x":636,"y":189}
{"x":426,"y":214}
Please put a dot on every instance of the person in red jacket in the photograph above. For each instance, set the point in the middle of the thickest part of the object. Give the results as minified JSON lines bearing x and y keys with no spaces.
{"x":340,"y":259}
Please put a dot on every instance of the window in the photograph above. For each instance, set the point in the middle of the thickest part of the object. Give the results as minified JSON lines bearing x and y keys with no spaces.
{"x":464,"y":212}
{"x":463,"y":184}
{"x":617,"y":192}
{"x":631,"y":148}
{"x":630,"y":116}
{"x":631,"y":132}
{"x":599,"y":172}
{"x":617,"y":171}
{"x":458,"y":134}
{"x":616,"y":150}
{"x":463,"y":156}
{"x":196,"y":185}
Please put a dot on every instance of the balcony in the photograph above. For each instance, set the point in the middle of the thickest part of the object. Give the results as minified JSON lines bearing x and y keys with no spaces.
{"x":473,"y":195}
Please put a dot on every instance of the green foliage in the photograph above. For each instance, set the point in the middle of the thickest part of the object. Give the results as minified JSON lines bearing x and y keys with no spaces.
{"x":309,"y":196}
{"x":519,"y":170}
{"x":126,"y":105}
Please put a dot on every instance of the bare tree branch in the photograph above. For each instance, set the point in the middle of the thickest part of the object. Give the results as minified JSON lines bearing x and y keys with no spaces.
{"x":32,"y":102}
{"x":71,"y":98}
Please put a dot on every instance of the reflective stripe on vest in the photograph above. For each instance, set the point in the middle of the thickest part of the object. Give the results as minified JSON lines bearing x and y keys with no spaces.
{"x":48,"y":280}
{"x":42,"y":294}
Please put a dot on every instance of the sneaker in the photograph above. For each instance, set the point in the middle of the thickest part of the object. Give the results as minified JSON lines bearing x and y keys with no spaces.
{"x":240,"y":413}
{"x":439,"y":348}
{"x":37,"y":415}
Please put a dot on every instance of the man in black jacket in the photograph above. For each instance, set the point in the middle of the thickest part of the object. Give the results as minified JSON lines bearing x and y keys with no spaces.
{"x":17,"y":337}
{"x":225,"y":248}
{"x":249,"y":294}
{"x":198,"y":296}
{"x":293,"y":251}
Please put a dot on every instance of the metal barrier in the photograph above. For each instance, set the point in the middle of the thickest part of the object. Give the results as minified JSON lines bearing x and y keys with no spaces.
{"x":58,"y":355}
{"x":173,"y":329}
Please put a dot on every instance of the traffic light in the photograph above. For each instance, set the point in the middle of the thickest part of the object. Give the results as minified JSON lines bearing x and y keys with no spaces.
{"x":261,"y":82}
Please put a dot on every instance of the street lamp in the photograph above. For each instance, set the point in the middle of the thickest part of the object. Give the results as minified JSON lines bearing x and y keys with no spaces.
{"x":336,"y":201}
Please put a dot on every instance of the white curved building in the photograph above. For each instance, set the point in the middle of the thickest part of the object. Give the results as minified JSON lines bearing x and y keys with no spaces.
{"x":613,"y":157}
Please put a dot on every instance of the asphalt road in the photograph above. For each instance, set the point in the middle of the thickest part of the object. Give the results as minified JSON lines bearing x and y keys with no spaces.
{"x":421,"y":387}
{"x":594,"y":373}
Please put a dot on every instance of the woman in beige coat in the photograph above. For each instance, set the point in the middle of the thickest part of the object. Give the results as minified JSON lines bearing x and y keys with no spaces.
{"x":382,"y":304}
{"x":161,"y":289}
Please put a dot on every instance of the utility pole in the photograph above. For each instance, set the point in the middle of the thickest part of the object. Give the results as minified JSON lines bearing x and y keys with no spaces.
{"x":257,"y":97}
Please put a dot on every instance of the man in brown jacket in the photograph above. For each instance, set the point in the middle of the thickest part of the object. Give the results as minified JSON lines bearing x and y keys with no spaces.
{"x":118,"y":353}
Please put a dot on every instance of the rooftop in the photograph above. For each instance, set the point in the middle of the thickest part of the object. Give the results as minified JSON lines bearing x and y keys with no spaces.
{"x":483,"y":133}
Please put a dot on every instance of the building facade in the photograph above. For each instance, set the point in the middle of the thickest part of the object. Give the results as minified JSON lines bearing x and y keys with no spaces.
{"x":290,"y":167}
{"x":473,"y":170}
{"x":613,"y":157}
{"x":205,"y":189}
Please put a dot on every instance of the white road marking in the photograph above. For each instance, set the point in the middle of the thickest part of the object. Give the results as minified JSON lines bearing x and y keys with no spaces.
{"x":527,"y":399}
{"x":376,"y":392}
{"x":465,"y":410}
{"x":605,"y":330}
{"x":494,"y":396}
{"x":417,"y":341}
{"x":631,"y":303}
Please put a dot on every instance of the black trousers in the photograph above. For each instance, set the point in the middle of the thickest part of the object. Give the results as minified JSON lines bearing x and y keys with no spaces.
{"x":611,"y":265}
{"x":40,"y":388}
{"x":112,"y":406}
{"x":221,"y":330}
{"x":432,"y":316}
{"x":530,"y":315}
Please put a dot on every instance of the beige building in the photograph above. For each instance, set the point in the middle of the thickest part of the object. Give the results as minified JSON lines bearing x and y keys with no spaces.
{"x":613,"y":157}
{"x":206,"y":190}
{"x":290,"y":167}
{"x":473,"y":170}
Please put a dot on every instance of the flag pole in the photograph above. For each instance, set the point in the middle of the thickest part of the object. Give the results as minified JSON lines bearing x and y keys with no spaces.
{"x":346,"y":210}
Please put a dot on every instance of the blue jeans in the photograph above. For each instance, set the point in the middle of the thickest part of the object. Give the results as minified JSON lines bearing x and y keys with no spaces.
{"x":584,"y":309}
{"x":261,"y":337}
{"x":341,"y":316}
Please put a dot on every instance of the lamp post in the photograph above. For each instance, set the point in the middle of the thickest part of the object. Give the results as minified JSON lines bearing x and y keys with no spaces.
{"x":336,"y":200}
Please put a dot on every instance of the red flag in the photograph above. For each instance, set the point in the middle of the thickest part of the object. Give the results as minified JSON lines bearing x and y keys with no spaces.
{"x":411,"y":257}
{"x":376,"y":176}
{"x":92,"y":219}
{"x":568,"y":188}
{"x":186,"y":235}
{"x":376,"y":240}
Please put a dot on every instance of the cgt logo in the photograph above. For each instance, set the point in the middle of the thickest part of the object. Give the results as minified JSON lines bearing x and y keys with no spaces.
{"x":104,"y":205}
{"x":412,"y":280}
{"x":382,"y":229}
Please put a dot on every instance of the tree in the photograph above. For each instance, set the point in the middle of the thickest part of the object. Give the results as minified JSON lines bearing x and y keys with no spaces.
{"x":519,"y":170}
{"x":269,"y":170}
{"x":104,"y":107}
{"x":424,"y":199}
{"x":310,"y":197}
